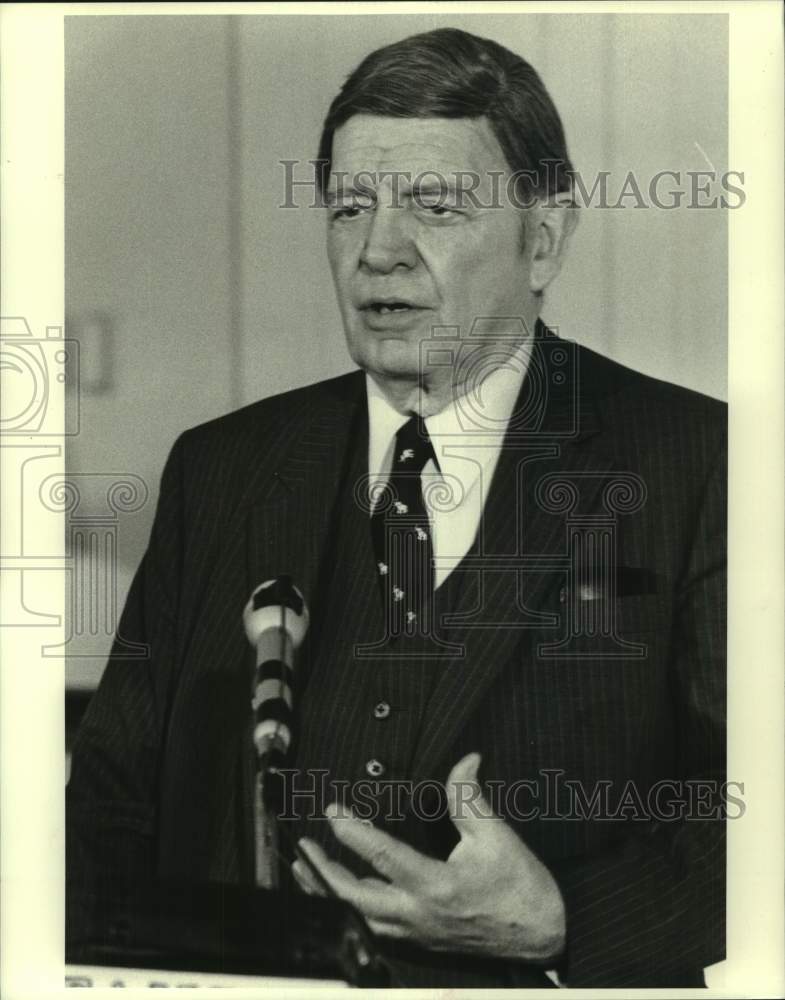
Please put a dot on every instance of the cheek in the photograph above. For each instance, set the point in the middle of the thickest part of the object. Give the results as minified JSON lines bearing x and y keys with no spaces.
{"x":450,"y":265}
{"x":469,"y":286}
{"x":342,"y":254}
{"x":500,"y":279}
{"x":457,"y":256}
{"x":335,"y":258}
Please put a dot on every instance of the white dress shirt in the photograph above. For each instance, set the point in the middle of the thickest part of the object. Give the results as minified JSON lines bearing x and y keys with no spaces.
{"x":467,"y":436}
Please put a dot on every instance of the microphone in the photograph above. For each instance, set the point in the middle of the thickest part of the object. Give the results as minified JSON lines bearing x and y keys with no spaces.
{"x":275,"y":620}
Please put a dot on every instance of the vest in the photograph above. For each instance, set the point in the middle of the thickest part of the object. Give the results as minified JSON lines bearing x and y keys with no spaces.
{"x":362,"y":698}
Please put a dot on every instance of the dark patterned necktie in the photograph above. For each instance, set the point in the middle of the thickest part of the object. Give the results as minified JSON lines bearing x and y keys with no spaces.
{"x":401,"y":535}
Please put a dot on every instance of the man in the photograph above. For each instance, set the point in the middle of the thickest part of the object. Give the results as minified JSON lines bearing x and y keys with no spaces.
{"x":512,"y":551}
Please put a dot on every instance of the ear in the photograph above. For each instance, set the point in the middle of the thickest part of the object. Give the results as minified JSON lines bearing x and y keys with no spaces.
{"x":553,"y":223}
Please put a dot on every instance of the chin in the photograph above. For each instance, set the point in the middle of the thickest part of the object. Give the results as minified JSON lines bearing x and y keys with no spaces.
{"x":391,"y":359}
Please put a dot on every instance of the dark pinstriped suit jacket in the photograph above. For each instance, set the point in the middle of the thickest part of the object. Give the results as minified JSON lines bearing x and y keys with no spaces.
{"x":162,"y":766}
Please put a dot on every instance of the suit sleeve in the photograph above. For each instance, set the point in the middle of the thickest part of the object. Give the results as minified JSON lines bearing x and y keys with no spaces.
{"x":111,"y":795}
{"x":640,"y":914}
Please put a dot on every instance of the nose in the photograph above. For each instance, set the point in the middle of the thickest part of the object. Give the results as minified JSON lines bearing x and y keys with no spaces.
{"x":388,"y":243}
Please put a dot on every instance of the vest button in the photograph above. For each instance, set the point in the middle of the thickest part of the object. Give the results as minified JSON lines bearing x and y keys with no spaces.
{"x":374,"y":768}
{"x":381,"y":711}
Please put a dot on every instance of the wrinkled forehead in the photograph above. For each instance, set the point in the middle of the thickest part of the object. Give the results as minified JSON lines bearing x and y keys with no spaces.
{"x":409,"y":147}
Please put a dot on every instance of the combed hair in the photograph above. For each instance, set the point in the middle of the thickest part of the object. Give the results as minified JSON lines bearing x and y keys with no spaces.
{"x":448,"y":73}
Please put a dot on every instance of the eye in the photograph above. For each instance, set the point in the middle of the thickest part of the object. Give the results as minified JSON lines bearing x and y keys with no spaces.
{"x":437,"y":212}
{"x":350,"y":207}
{"x":347,"y":212}
{"x":436,"y":204}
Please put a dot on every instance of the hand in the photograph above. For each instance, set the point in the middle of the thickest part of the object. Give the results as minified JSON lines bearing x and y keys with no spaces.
{"x":492,"y":896}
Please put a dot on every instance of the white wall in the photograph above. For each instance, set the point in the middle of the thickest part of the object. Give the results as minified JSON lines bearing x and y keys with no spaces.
{"x":147,"y":236}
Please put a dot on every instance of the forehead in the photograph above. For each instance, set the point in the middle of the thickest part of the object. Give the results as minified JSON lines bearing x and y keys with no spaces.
{"x":375,"y":142}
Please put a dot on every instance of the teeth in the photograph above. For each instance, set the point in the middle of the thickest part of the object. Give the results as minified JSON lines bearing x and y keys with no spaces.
{"x":384,"y":309}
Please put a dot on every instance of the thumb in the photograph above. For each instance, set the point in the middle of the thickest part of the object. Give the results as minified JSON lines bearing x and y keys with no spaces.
{"x":466,"y":803}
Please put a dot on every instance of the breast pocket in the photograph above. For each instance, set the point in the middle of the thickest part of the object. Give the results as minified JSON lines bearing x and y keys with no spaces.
{"x":624,"y":628}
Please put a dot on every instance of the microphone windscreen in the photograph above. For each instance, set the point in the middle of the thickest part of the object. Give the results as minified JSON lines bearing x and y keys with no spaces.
{"x":273,"y":605}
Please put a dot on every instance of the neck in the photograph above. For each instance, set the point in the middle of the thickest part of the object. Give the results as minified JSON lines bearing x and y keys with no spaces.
{"x":415,"y":395}
{"x":427,"y":395}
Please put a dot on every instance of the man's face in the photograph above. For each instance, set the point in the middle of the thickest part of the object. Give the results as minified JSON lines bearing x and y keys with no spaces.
{"x":405,"y":261}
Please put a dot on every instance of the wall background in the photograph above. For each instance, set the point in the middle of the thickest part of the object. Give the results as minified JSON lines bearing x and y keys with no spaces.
{"x":192,"y":293}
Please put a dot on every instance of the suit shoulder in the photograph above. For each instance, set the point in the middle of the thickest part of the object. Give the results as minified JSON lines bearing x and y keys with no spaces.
{"x":214,"y":466}
{"x":625,"y":394}
{"x":265,"y":416}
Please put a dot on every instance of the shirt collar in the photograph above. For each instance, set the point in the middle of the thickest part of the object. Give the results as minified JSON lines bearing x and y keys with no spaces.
{"x":384,"y":422}
{"x":469,"y":427}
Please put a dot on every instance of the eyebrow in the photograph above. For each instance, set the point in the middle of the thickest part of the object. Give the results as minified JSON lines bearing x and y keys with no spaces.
{"x":405,"y":189}
{"x":433,"y":187}
{"x":349,"y":191}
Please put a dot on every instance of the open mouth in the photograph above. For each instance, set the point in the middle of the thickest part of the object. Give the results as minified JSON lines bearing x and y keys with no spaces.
{"x":385,"y":308}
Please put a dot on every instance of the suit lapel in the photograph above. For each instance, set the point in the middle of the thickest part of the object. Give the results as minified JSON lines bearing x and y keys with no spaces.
{"x":519,"y":553}
{"x":279,"y":526}
{"x":289,"y":526}
{"x":280,"y":522}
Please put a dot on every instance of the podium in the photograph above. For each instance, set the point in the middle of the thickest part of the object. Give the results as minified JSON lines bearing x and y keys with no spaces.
{"x":219,"y":931}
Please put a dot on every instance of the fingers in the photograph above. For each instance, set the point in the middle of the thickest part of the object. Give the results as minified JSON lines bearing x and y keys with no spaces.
{"x":466,"y":769}
{"x":469,"y":810}
{"x":396,"y":861}
{"x":383,"y":928}
{"x":372,"y":897}
{"x":339,"y":879}
{"x":306,"y":879}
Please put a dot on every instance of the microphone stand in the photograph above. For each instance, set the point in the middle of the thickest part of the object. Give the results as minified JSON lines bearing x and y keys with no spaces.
{"x":271,"y":741}
{"x":268,"y":797}
{"x":266,"y":831}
